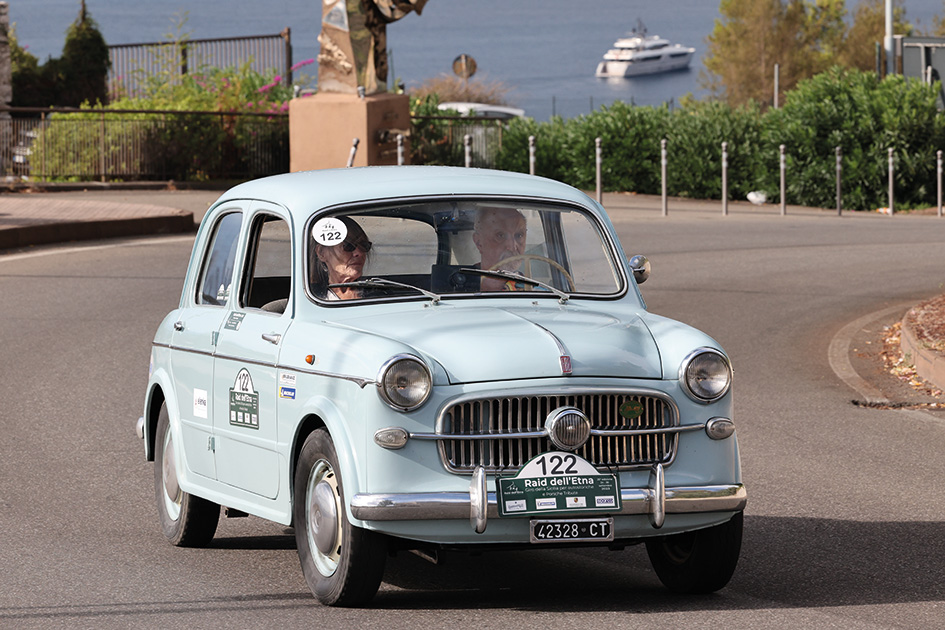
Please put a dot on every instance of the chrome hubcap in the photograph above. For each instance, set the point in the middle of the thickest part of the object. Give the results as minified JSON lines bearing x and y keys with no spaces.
{"x":172,"y":493}
{"x":323,"y":517}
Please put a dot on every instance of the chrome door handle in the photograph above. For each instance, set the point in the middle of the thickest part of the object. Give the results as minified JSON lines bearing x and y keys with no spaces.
{"x":178,"y":326}
{"x":273,"y":338}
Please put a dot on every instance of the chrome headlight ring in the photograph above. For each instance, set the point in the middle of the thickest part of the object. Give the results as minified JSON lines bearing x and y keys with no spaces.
{"x":705,"y":375}
{"x":568,"y":428}
{"x":404,"y":382}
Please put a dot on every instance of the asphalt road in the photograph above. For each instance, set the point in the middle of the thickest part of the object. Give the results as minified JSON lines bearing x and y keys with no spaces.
{"x":845,"y":525}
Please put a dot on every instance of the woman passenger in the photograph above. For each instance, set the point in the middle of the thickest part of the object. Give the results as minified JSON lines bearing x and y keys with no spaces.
{"x":334,"y":264}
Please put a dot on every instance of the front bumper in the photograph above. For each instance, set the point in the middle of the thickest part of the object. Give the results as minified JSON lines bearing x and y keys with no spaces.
{"x":478,"y":505}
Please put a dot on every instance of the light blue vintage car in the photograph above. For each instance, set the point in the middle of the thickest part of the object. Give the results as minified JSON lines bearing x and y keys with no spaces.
{"x":427,"y":357}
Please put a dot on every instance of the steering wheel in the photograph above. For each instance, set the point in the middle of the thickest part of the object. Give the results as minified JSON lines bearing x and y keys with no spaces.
{"x":530,"y":257}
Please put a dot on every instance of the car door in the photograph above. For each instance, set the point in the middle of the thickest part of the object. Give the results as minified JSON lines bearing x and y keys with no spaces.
{"x":245,"y":380}
{"x":193,"y":342}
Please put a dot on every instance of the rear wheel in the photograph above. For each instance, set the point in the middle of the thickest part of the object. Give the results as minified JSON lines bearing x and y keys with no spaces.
{"x":701,"y":561}
{"x":342,"y":564}
{"x":187,"y":521}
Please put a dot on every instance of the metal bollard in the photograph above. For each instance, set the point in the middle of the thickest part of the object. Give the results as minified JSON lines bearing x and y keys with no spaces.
{"x":531,"y":155}
{"x":777,"y":83}
{"x":598,"y":153}
{"x":892,"y":174}
{"x":354,"y":151}
{"x":783,"y":162}
{"x":400,"y":149}
{"x":725,"y":179}
{"x":839,"y":176}
{"x":467,"y":143}
{"x":663,"y":162}
{"x":938,"y":170}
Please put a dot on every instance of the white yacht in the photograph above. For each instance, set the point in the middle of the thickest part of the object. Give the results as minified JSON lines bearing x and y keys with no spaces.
{"x":638,"y":53}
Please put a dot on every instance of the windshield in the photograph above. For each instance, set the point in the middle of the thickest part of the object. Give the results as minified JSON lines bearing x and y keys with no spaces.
{"x":491,"y":248}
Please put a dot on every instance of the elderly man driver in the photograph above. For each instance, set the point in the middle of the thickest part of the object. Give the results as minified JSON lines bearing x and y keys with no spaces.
{"x":499,"y":234}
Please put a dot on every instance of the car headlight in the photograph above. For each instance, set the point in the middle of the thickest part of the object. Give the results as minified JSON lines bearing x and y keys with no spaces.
{"x":706,"y":375}
{"x":404,"y":382}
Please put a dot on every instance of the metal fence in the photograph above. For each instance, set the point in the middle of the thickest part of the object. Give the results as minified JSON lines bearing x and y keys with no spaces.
{"x":142,"y":145}
{"x":133,"y":64}
{"x":441,"y":139}
{"x":133,"y":145}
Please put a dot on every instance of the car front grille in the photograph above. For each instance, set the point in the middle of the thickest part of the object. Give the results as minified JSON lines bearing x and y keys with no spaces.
{"x":502,"y":434}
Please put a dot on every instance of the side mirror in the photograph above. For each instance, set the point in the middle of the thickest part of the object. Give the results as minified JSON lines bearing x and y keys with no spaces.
{"x":640,"y":266}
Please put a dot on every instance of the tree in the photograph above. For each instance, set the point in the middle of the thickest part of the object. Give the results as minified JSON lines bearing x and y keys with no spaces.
{"x":752,"y":37}
{"x":79,"y":76}
{"x":868,"y":29}
{"x":804,"y":37}
{"x":85,"y":63}
{"x":30,"y":89}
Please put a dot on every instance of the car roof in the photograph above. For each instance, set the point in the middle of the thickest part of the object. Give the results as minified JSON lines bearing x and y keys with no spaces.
{"x":305,"y":192}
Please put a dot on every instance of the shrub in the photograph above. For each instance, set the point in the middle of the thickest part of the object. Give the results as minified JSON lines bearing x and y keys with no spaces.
{"x":431,"y":140}
{"x":448,"y":88}
{"x":846,"y":108}
{"x":864,"y":117}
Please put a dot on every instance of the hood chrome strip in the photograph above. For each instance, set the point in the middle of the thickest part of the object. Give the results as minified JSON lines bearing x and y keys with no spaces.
{"x":564,"y":363}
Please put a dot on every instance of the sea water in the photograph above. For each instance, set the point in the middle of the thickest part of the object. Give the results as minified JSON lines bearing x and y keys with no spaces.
{"x":544,"y":52}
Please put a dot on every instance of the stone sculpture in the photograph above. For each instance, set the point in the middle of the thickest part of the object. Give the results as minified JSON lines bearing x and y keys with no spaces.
{"x":354,"y":43}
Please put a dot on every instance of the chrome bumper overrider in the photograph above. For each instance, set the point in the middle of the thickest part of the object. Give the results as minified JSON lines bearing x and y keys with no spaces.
{"x":478,"y":505}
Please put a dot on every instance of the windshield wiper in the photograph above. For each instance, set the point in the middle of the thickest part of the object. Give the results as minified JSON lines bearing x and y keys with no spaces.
{"x":517,"y":277}
{"x":383,"y":282}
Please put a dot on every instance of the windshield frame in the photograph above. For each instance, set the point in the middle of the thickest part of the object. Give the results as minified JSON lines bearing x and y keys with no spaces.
{"x":612,"y":250}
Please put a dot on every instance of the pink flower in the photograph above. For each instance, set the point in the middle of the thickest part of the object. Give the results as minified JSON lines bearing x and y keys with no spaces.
{"x":301,"y":64}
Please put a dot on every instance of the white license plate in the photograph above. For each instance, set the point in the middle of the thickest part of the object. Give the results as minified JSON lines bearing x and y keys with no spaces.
{"x":573,"y":529}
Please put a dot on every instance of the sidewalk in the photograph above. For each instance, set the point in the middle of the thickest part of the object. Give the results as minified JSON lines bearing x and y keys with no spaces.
{"x":41,"y":218}
{"x":100,"y":211}
{"x":25,"y":222}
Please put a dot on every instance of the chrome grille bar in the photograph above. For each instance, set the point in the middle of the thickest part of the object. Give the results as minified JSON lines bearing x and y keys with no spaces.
{"x":502,"y":434}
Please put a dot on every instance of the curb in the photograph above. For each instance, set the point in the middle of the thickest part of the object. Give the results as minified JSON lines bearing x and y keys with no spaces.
{"x":928,"y":364}
{"x":169,"y":185}
{"x":48,"y":233}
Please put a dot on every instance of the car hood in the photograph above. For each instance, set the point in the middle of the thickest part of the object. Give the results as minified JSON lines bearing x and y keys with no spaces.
{"x":483,"y":343}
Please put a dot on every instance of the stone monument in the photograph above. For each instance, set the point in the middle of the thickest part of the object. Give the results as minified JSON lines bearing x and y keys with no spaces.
{"x":352,"y":100}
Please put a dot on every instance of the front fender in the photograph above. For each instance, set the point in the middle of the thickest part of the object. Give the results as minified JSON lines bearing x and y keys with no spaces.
{"x":160,"y":388}
{"x":353,"y":473}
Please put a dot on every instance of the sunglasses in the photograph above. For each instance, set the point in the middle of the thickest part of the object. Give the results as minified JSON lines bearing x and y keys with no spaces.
{"x":364,"y":246}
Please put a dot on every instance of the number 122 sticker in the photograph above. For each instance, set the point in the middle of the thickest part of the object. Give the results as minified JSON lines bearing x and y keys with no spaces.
{"x":329,"y":231}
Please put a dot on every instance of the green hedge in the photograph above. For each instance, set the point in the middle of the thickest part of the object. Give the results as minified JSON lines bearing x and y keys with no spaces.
{"x":180,"y":146}
{"x":847,"y":108}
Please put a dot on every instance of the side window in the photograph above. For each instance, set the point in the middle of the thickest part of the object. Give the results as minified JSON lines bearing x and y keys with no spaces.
{"x":217,"y":275}
{"x":268,"y":277}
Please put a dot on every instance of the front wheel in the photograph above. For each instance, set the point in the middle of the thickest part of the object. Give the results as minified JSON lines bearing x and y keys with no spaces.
{"x":342,"y":564}
{"x":187,"y":521}
{"x":701,"y":561}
